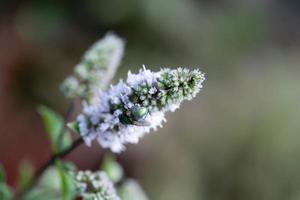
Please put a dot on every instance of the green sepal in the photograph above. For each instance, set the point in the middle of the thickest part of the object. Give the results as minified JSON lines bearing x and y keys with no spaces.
{"x":74,"y":127}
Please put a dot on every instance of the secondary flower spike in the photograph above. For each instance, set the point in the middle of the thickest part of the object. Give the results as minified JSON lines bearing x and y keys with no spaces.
{"x":96,"y":69}
{"x":130,"y":109}
{"x":95,"y":185}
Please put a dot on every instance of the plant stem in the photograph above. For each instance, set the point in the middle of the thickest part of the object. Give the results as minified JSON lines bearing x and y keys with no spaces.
{"x":46,"y":165}
{"x":52,"y":159}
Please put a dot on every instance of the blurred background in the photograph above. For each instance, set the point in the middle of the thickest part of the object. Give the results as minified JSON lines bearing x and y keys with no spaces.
{"x":239,"y":139}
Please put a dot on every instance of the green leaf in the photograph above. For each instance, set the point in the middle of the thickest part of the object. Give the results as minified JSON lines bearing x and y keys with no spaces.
{"x":112,"y":168}
{"x":26,"y":171}
{"x":66,"y":141}
{"x":2,"y":174}
{"x":54,"y":126}
{"x":69,"y":166}
{"x":5,"y":192}
{"x":131,"y":190}
{"x":41,"y":193}
{"x":50,"y":180}
{"x":55,"y":184}
{"x":67,"y":186}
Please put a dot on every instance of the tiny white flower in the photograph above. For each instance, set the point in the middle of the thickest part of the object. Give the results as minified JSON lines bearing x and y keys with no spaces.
{"x":95,"y":185}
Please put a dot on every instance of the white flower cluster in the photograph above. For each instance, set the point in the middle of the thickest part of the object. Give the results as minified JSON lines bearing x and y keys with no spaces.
{"x":95,"y":186}
{"x":129,"y":110}
{"x":96,"y":69}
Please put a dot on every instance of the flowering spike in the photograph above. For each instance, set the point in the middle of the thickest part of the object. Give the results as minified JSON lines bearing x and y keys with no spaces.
{"x":130,"y":109}
{"x":96,"y":69}
{"x":95,"y":185}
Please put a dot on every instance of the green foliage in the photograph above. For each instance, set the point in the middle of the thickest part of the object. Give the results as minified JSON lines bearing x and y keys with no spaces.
{"x":26,"y":172}
{"x":54,"y":126}
{"x":48,"y":187}
{"x":131,"y":190}
{"x":40,"y":193}
{"x":5,"y":191}
{"x":112,"y":168}
{"x":2,"y":174}
{"x":67,"y":187}
{"x":55,"y":184}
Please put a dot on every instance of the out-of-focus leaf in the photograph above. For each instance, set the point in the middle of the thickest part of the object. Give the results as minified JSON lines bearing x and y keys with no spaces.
{"x":55,"y":184}
{"x":5,"y":192}
{"x":54,"y":124}
{"x":2,"y":174}
{"x":48,"y":187}
{"x":69,"y":166}
{"x":66,"y":141}
{"x":112,"y":168}
{"x":67,"y":186}
{"x":25,"y":174}
{"x":39,"y":193}
{"x":131,"y":190}
{"x":50,"y":180}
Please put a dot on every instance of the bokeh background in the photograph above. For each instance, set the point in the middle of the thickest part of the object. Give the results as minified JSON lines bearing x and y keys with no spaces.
{"x":239,"y":139}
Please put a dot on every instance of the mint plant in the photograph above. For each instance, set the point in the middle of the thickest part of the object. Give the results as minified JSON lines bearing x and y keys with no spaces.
{"x":113,"y":116}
